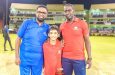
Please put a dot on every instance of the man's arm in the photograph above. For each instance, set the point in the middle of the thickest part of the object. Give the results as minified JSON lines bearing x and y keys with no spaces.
{"x":88,"y":49}
{"x":17,"y":46}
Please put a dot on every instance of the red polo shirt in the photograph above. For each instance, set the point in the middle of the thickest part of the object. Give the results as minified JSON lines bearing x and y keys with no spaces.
{"x":52,"y":57}
{"x":73,"y":33}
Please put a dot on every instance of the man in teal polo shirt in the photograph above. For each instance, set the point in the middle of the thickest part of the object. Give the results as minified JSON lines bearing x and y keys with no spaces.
{"x":31,"y":36}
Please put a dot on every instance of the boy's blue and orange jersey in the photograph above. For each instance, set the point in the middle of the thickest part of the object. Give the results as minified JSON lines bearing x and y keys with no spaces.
{"x":52,"y":57}
{"x":33,"y":37}
{"x":73,"y":35}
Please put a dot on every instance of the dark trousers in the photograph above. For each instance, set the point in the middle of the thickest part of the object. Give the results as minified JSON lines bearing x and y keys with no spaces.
{"x":78,"y":66}
{"x":5,"y":40}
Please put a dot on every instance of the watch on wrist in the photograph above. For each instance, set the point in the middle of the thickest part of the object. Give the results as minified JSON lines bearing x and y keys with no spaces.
{"x":89,"y":58}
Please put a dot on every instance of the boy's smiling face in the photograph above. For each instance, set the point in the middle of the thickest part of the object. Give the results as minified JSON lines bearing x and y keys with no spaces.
{"x":53,"y":35}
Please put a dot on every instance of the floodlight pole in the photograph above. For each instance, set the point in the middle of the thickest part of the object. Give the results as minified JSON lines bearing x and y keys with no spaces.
{"x":6,"y":12}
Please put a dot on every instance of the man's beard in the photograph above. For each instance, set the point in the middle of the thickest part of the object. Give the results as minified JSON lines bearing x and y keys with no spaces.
{"x":40,"y":20}
{"x":69,"y":18}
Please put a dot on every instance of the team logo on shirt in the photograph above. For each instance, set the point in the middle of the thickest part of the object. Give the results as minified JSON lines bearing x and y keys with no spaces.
{"x":59,"y":51}
{"x":45,"y":33}
{"x":75,"y":28}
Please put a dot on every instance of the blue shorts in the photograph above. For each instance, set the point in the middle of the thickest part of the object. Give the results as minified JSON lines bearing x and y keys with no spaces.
{"x":70,"y":65}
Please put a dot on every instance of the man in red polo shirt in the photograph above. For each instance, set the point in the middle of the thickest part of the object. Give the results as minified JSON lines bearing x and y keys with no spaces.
{"x":75,"y":34}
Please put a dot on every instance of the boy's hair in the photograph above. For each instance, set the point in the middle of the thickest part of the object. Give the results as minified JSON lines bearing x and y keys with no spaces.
{"x":54,"y":27}
{"x":42,"y":6}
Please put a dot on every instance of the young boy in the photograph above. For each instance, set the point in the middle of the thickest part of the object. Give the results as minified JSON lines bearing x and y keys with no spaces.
{"x":52,"y":53}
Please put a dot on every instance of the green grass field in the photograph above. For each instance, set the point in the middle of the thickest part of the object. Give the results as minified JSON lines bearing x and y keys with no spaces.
{"x":103,"y":52}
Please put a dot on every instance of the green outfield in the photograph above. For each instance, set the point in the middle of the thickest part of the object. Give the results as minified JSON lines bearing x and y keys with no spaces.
{"x":103,"y":52}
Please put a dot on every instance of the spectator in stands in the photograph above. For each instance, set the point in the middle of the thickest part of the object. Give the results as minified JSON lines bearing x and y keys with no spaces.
{"x":6,"y":37}
{"x":29,"y":52}
{"x":75,"y":34}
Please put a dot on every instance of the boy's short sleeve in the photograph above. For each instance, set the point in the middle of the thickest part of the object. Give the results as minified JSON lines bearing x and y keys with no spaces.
{"x":22,"y":29}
